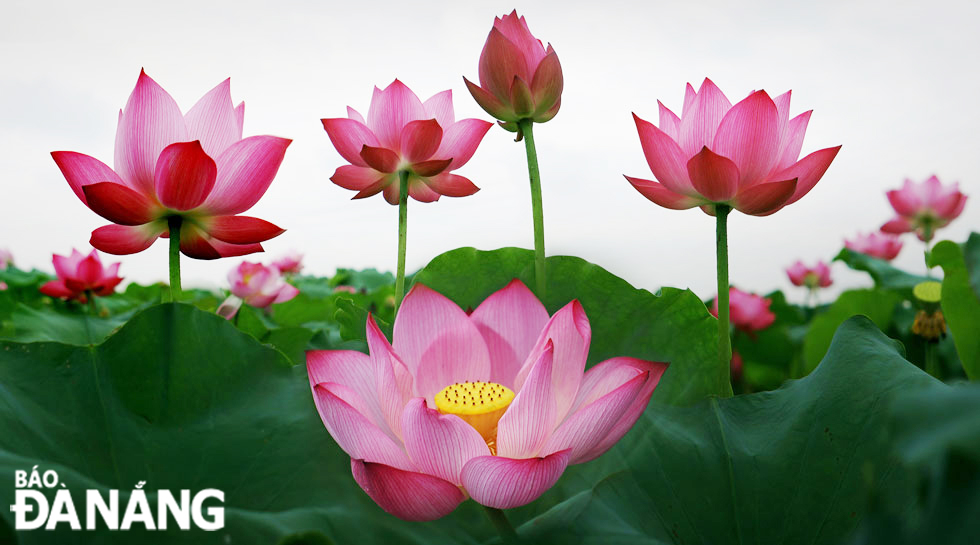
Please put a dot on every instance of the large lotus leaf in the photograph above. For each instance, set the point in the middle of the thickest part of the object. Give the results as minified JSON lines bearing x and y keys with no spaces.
{"x":182,"y":400}
{"x":673,"y":326}
{"x":961,"y":298}
{"x":786,"y":466}
{"x":878,"y":305}
{"x":882,"y":272}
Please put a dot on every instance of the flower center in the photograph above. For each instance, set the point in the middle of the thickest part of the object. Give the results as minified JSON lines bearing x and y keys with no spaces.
{"x":479,"y":404}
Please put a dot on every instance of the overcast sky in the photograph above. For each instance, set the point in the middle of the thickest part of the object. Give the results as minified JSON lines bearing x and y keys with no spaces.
{"x":894,"y":82}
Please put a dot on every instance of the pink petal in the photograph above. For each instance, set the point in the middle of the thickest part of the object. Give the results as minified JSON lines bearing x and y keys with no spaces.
{"x":56,"y":288}
{"x":713,"y":176}
{"x":89,"y":270}
{"x":353,"y":431}
{"x":353,"y":370}
{"x":422,"y":193}
{"x":451,"y":185}
{"x":226,"y":249}
{"x":897,"y":226}
{"x":390,"y":111}
{"x":419,"y":139}
{"x":521,"y":99}
{"x":432,"y":167}
{"x":749,"y":135}
{"x":808,"y":171}
{"x":119,"y":204}
{"x":460,"y":140}
{"x":245,"y":171}
{"x":500,"y":62}
{"x":793,"y":141}
{"x":350,"y":136}
{"x":491,"y":104}
{"x":407,"y":495}
{"x":764,"y":199}
{"x":286,"y":293}
{"x":185,"y":175}
{"x":439,"y":444}
{"x":81,"y":170}
{"x":240,"y":119}
{"x":356,"y":116}
{"x":380,"y":159}
{"x":150,"y":122}
{"x":393,"y":383}
{"x":391,"y":192}
{"x":906,"y":203}
{"x":242,"y":229}
{"x":356,"y":178}
{"x":214,"y":120}
{"x":663,"y":196}
{"x":653,"y":371}
{"x":195,"y":244}
{"x":124,"y":240}
{"x":667,"y":162}
{"x":504,"y":483}
{"x":547,"y":83}
{"x":379,"y":185}
{"x":515,"y":29}
{"x":701,"y":118}
{"x":64,"y":266}
{"x":951,"y":205}
{"x":438,"y":343}
{"x":669,"y":122}
{"x":689,"y":95}
{"x":510,"y":321}
{"x":440,"y":107}
{"x":782,"y":108}
{"x":531,"y":417}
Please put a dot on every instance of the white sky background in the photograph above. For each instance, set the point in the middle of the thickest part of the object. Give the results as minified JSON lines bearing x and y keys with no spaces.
{"x":895,"y":82}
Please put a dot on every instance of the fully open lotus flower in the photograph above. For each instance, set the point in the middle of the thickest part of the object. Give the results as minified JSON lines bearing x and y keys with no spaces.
{"x":291,"y":263}
{"x":194,"y":166}
{"x":519,"y":77}
{"x":924,"y":207}
{"x":744,"y":155}
{"x":493,"y":405}
{"x":817,"y":276}
{"x":879,"y":245}
{"x":81,"y":276}
{"x":749,"y":312}
{"x":6,"y":258}
{"x":401,"y":133}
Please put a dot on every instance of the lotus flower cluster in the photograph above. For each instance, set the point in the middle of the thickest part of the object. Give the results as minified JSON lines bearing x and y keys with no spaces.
{"x":749,"y":312}
{"x":814,"y":277}
{"x":291,"y":263}
{"x":492,"y":405}
{"x":879,"y":245}
{"x":924,"y":207}
{"x":194,"y":166}
{"x":401,"y":133}
{"x":81,"y":277}
{"x":744,"y":156}
{"x":519,"y":77}
{"x":259,"y":285}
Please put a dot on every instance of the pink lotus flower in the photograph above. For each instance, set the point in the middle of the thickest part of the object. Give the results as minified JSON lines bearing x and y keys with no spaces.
{"x":344,"y":289}
{"x":259,"y":285}
{"x":519,"y":77}
{"x":402,"y":133}
{"x":924,"y":207}
{"x":492,"y":405}
{"x":817,"y":276}
{"x":879,"y":245}
{"x":81,"y":276}
{"x":6,"y":258}
{"x":3,"y":286}
{"x":194,"y":166}
{"x":291,"y":263}
{"x":744,"y":155}
{"x":749,"y":312}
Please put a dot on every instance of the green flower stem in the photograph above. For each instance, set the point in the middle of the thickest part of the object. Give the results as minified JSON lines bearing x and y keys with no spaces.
{"x":173,"y":224}
{"x":928,"y":268}
{"x":500,"y":522}
{"x":721,"y":246}
{"x":536,"y":204}
{"x":932,"y":363}
{"x":92,"y":306}
{"x":402,"y":236}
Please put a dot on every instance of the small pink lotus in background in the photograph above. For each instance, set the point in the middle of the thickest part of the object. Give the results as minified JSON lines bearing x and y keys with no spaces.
{"x":194,"y":168}
{"x":6,"y":258}
{"x":744,"y":156}
{"x":737,"y":366}
{"x":256,"y":284}
{"x":875,"y":244}
{"x":492,"y":405}
{"x":519,"y":77}
{"x":81,"y":277}
{"x":403,"y":134}
{"x":291,"y":263}
{"x":344,"y":289}
{"x":814,"y":277}
{"x":3,"y":286}
{"x":924,"y":207}
{"x":749,"y":312}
